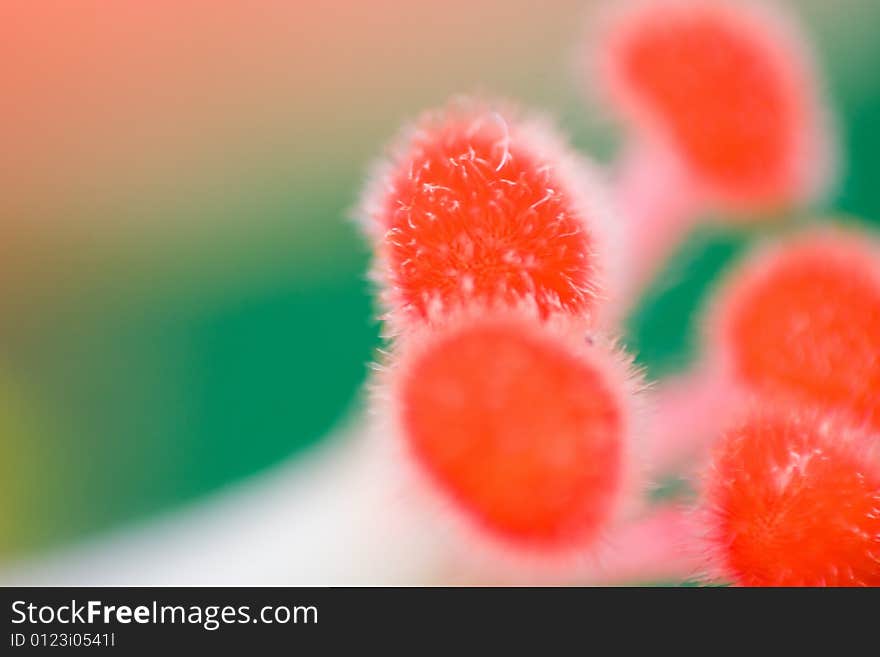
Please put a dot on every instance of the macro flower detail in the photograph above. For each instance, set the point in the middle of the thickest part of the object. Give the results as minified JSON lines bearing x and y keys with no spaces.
{"x":797,"y":320}
{"x":481,"y":205}
{"x":724,"y":117}
{"x":522,"y":429}
{"x":802,"y":320}
{"x":438,"y":294}
{"x":792,"y":498}
{"x":728,"y":86}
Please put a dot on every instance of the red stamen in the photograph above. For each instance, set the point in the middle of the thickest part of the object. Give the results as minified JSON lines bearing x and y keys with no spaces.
{"x":729,"y":88}
{"x":794,"y":500}
{"x":522,"y":429}
{"x":480,"y":206}
{"x":803,"y":321}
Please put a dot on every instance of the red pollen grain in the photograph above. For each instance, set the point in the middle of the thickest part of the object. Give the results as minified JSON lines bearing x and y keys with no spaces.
{"x":723,"y":86}
{"x":794,"y":500}
{"x":521,"y":433}
{"x":477,"y":208}
{"x":803,"y":321}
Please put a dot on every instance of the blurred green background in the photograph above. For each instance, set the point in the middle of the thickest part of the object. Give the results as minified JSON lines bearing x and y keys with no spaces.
{"x":183,"y":300}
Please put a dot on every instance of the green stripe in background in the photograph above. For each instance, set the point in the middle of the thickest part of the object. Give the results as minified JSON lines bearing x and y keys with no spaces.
{"x":185,"y":377}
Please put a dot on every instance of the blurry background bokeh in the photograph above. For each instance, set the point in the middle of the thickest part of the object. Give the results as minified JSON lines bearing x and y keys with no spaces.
{"x":183,"y":300}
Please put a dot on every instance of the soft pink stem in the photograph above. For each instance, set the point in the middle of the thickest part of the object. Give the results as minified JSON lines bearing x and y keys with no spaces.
{"x":658,"y":547}
{"x":688,"y":413}
{"x":659,"y":207}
